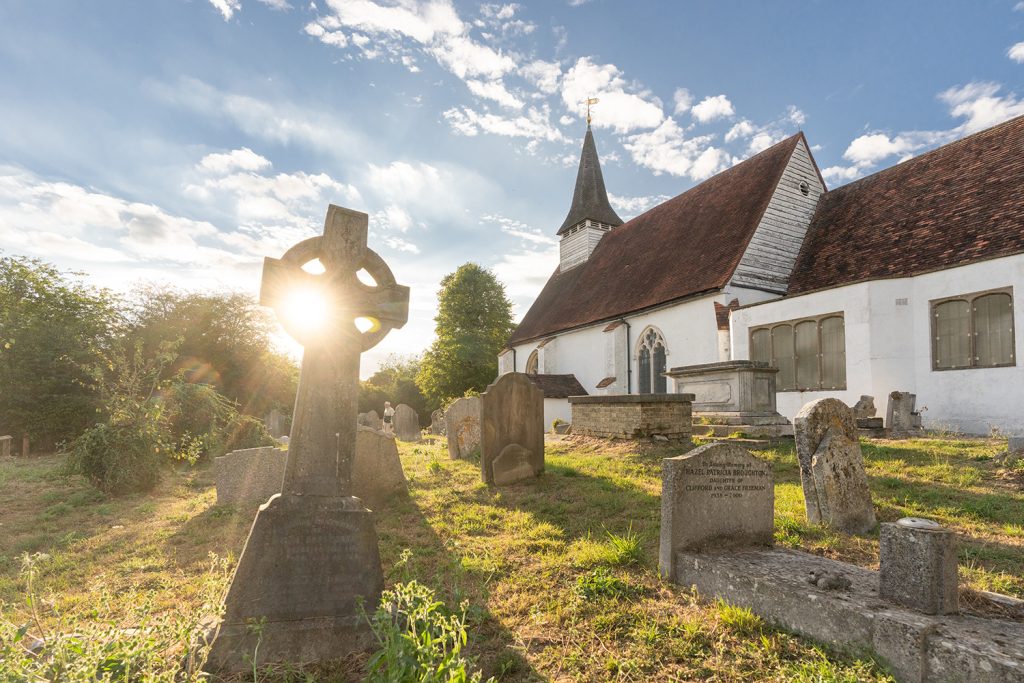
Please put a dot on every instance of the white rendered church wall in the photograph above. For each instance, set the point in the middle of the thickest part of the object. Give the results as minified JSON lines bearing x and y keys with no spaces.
{"x":556,"y":409}
{"x":888,"y":347}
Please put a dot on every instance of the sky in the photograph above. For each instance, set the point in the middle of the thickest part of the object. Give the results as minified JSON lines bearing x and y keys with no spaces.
{"x":180,"y":141}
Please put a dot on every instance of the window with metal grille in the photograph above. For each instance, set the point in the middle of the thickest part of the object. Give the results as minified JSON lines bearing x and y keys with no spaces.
{"x":810,"y":353}
{"x":973,"y":331}
{"x":652,"y":363}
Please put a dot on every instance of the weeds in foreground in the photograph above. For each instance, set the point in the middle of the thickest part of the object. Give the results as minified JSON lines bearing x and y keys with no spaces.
{"x":163,"y":648}
{"x":420,"y":639}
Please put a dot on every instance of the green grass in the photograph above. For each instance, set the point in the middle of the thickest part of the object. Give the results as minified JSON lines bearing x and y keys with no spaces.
{"x":559,"y":575}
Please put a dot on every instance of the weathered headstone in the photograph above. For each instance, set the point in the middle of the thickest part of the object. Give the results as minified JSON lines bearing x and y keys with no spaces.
{"x":275,"y":423}
{"x":864,"y":408}
{"x":901,"y":416}
{"x":255,"y":474}
{"x":716,"y":496}
{"x":462,"y":427}
{"x":24,"y":446}
{"x":1015,"y":444}
{"x":5,"y":446}
{"x":437,"y":422}
{"x":918,"y":566}
{"x":407,"y":423}
{"x":311,"y":563}
{"x":373,"y":420}
{"x":832,"y":473}
{"x":511,"y":430}
{"x":249,"y":474}
{"x":377,"y":470}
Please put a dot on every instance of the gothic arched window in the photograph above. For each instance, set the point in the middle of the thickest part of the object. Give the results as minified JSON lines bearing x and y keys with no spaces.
{"x":651,"y":361}
{"x":531,"y":364}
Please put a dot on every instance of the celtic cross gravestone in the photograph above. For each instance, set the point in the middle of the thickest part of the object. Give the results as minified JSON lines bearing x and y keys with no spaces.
{"x":311,"y":558}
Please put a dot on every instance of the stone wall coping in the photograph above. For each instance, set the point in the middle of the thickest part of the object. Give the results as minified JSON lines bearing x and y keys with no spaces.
{"x":706,"y":368}
{"x":634,"y":398}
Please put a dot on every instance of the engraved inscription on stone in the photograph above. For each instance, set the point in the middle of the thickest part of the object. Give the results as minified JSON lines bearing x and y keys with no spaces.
{"x":727,"y":480}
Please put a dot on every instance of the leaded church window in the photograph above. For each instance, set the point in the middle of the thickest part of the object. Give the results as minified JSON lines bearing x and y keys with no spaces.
{"x":973,"y":331}
{"x":531,"y":363}
{"x":651,"y":362}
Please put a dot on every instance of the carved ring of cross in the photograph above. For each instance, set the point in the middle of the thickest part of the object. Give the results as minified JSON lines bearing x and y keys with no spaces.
{"x":384,"y":304}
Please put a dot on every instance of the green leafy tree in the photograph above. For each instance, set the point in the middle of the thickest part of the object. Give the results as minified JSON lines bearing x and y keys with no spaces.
{"x":225,"y":340}
{"x":395,"y":381}
{"x":55,"y":336}
{"x":474,"y":320}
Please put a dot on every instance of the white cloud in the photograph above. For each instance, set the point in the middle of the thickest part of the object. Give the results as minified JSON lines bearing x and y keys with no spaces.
{"x":1019,"y":7}
{"x":281,"y":5}
{"x":535,"y":124}
{"x":618,"y":109}
{"x":525,"y":272}
{"x":284,"y":123}
{"x":741,"y":129}
{"x":464,"y":57}
{"x":494,"y":90}
{"x":667,"y":150}
{"x":683,"y":100}
{"x":227,"y":8}
{"x":243,"y":159}
{"x":978,"y":103}
{"x":1016,"y":53}
{"x":527,"y":234}
{"x":711,"y":108}
{"x":628,"y":207}
{"x":544,"y":75}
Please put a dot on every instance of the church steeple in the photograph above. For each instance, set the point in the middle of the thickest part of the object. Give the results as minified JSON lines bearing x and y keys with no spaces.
{"x":590,"y":199}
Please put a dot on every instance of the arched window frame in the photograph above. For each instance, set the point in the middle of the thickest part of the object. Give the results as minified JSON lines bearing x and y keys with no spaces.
{"x":651,"y":364}
{"x":532,"y":362}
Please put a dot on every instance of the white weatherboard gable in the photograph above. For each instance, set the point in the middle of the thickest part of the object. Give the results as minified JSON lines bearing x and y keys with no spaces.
{"x":769,"y":257}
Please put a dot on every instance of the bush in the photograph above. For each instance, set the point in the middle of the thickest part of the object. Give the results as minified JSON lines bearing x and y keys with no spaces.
{"x":125,"y":454}
{"x":420,"y":639}
{"x":204,"y":423}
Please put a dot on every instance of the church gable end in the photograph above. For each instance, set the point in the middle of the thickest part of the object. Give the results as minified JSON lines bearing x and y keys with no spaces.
{"x":768,"y":260}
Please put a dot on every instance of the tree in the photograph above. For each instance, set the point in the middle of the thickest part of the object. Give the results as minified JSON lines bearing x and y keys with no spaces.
{"x":55,"y":337}
{"x":394,"y":381}
{"x":224,"y":340}
{"x":474,"y":320}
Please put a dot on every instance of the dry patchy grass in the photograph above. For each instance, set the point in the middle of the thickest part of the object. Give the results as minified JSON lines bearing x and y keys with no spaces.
{"x":560,"y":574}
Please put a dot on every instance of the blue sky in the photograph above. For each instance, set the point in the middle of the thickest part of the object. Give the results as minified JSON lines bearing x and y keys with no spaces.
{"x":181,"y":141}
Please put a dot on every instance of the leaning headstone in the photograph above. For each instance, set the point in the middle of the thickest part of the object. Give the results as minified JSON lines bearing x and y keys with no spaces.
{"x":511,"y":430}
{"x":310,"y":568}
{"x":249,"y":474}
{"x":437,"y":422}
{"x":832,"y":473}
{"x":864,"y":408}
{"x":5,"y":446}
{"x":716,"y":496}
{"x":377,"y":472}
{"x":901,"y":416}
{"x":462,"y":427}
{"x":918,"y":566}
{"x":407,"y":423}
{"x":373,"y":420}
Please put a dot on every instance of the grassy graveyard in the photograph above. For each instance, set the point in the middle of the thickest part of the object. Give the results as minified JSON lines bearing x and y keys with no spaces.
{"x":558,"y":578}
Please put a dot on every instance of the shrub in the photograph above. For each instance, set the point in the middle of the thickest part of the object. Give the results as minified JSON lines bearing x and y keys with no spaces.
{"x":205,"y":424}
{"x":125,"y":454}
{"x":420,"y":639}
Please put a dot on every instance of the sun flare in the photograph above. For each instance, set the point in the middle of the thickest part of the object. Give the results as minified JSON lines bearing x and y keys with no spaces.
{"x":306,"y":310}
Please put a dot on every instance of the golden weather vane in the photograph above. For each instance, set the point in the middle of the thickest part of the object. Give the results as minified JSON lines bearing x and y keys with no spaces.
{"x":589,"y":101}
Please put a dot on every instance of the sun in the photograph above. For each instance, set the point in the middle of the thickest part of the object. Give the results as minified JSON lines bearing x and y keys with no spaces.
{"x":306,"y":310}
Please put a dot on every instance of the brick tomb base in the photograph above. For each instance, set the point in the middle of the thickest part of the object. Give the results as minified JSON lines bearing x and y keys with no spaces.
{"x":633,"y":416}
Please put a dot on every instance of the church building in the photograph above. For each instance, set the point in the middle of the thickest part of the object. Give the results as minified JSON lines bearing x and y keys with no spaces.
{"x":900,"y":281}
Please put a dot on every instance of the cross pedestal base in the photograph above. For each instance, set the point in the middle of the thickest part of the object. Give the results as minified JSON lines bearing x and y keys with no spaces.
{"x":311,"y":569}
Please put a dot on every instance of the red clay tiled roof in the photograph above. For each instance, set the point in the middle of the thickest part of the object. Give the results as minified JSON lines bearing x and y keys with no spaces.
{"x":958,"y":204}
{"x":558,"y":386}
{"x":687,"y":245}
